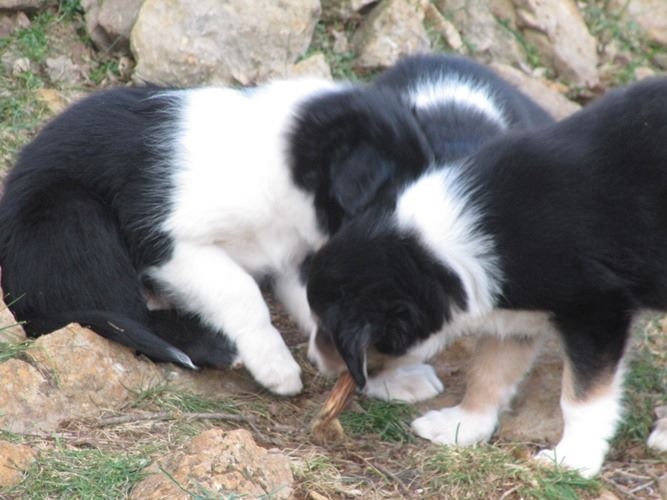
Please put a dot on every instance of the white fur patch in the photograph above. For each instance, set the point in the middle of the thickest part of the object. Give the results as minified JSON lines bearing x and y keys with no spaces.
{"x":460,"y":91}
{"x":658,"y":438}
{"x":236,"y":215}
{"x":436,"y":209}
{"x":456,"y":426}
{"x":405,"y":383}
{"x":588,"y":427}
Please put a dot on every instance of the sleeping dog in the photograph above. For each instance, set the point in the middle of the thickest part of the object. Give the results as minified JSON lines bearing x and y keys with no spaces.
{"x":459,"y":105}
{"x":144,"y":197}
{"x":561,"y":229}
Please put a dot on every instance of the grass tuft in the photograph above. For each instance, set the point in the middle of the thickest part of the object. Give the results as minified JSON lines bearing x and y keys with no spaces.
{"x":12,"y":350}
{"x":81,"y":473}
{"x":484,"y":471}
{"x":166,"y":398}
{"x":390,"y":421}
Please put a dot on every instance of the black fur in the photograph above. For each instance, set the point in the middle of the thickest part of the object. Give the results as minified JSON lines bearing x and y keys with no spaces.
{"x":454,"y":131}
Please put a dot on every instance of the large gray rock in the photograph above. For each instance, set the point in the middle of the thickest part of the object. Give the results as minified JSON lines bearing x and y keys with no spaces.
{"x":14,"y":460}
{"x":220,"y":42}
{"x":109,"y":22}
{"x":393,"y":29}
{"x":220,"y":463}
{"x":542,"y":91}
{"x":484,"y":35}
{"x":558,"y":31}
{"x":23,"y":4}
{"x":650,"y":15}
{"x":72,"y":373}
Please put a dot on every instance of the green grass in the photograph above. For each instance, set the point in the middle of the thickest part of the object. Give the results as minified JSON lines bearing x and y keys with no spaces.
{"x":166,"y":398}
{"x":81,"y":473}
{"x":341,"y":64}
{"x":390,"y":421}
{"x":12,"y":350}
{"x":608,"y":27}
{"x":483,"y":471}
{"x":644,"y":388}
{"x":529,"y":49}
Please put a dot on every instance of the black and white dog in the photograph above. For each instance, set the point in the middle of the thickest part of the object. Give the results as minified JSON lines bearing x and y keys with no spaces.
{"x":140,"y":196}
{"x":459,"y":105}
{"x":561,"y":229}
{"x":144,"y":198}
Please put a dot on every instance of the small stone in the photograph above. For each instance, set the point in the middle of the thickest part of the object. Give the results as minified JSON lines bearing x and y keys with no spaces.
{"x":218,"y":462}
{"x":53,"y":99}
{"x":444,"y":27}
{"x":544,"y":92}
{"x":313,"y":66}
{"x":15,"y":459}
{"x":21,"y":4}
{"x":558,"y":31}
{"x":341,"y":44}
{"x":61,"y":69}
{"x":393,"y":29}
{"x":10,"y":330}
{"x":20,"y":65}
{"x":642,"y":72}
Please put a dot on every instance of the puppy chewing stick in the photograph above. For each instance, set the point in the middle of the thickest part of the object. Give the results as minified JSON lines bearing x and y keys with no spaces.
{"x":325,"y":427}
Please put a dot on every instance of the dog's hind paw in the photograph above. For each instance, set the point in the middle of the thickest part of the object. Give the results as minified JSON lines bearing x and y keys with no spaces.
{"x":587,"y":462}
{"x":456,"y":426}
{"x":658,"y":438}
{"x":406,"y":383}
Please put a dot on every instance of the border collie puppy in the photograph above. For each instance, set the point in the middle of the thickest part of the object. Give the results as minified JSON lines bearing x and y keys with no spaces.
{"x":561,"y":229}
{"x":140,"y":196}
{"x":459,"y":105}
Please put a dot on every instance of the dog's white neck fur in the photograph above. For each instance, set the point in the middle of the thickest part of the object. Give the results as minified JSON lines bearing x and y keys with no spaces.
{"x":458,"y":90}
{"x":436,"y":208}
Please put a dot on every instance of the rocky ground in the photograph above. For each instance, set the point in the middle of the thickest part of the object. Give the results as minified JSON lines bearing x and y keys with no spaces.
{"x":83,"y":418}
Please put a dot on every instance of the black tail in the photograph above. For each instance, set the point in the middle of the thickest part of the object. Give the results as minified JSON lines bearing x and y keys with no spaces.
{"x":114,"y":327}
{"x":65,"y":260}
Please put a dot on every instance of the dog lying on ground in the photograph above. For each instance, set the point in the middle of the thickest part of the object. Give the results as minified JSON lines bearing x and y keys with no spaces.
{"x":459,"y":105}
{"x":141,"y":196}
{"x":150,"y":214}
{"x":560,"y":229}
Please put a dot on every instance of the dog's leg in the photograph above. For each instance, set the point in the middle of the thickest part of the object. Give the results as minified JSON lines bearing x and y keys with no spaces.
{"x":592,"y":387}
{"x":497,"y":367}
{"x":292,"y":294}
{"x":204,"y":280}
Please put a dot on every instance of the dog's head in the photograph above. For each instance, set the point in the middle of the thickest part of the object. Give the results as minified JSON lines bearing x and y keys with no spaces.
{"x":376,"y":291}
{"x":353,"y":148}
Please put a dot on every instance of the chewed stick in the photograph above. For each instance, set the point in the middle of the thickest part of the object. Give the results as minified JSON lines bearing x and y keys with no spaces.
{"x":326,"y":427}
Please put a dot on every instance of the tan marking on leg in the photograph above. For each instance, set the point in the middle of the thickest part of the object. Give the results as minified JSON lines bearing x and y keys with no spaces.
{"x":574,"y":392}
{"x":498,"y":365}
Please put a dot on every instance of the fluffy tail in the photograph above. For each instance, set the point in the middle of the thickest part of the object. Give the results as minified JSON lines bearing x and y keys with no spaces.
{"x":114,"y":327}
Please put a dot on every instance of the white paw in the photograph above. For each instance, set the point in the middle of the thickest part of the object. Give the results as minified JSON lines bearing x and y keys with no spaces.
{"x":587,"y":460}
{"x":658,"y":438}
{"x":456,"y":426}
{"x":406,"y":383}
{"x":275,"y":369}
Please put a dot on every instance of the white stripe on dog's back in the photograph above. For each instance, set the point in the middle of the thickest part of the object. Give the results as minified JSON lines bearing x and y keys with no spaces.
{"x":460,"y":92}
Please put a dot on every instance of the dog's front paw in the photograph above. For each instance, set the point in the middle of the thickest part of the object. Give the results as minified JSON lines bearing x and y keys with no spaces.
{"x":406,"y":383}
{"x":456,"y":426}
{"x":587,"y":460}
{"x":275,"y":369}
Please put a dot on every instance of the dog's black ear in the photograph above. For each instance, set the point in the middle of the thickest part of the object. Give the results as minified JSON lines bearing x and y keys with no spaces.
{"x":352,"y":347}
{"x":358,"y":177}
